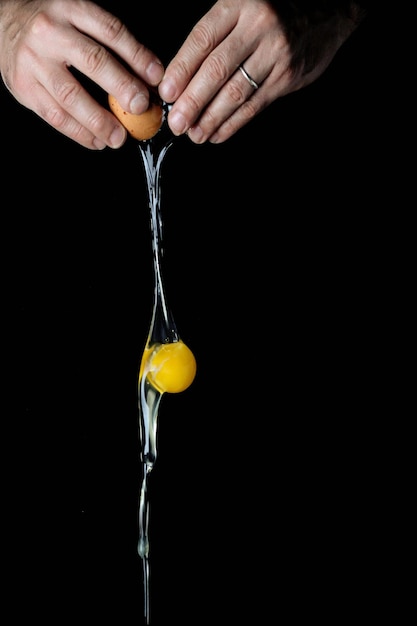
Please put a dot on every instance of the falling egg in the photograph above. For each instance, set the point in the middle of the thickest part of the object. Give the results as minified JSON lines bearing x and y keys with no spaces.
{"x":143,"y":126}
{"x":171,"y":367}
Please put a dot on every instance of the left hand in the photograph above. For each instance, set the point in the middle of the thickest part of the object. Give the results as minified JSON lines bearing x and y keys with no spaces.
{"x":212,"y":98}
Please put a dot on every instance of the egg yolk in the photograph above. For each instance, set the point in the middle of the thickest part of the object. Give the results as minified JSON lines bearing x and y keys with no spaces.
{"x":143,"y":126}
{"x":171,"y":367}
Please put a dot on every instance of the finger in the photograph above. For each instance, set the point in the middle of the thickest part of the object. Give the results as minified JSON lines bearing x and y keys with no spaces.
{"x":239,"y":100}
{"x":241,"y":116}
{"x":97,"y":129}
{"x":231,"y":97}
{"x":238,"y":90}
{"x":110,"y":31}
{"x":86,"y":45}
{"x":70,"y":108}
{"x":276,"y":84}
{"x":206,"y":35}
{"x":94,"y":61}
{"x":204,"y":88}
{"x":211,"y":77}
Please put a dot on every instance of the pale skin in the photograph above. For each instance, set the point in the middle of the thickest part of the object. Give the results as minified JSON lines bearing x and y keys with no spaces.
{"x":212,"y":99}
{"x":41,"y":39}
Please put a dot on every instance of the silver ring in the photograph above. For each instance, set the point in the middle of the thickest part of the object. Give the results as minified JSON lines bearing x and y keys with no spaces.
{"x":250,"y":80}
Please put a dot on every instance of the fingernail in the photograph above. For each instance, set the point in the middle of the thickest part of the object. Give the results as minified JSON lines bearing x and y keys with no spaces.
{"x":139,"y":103}
{"x":98,"y":144}
{"x":167,"y":90}
{"x":117,"y":138}
{"x":177,"y":123}
{"x":196,"y":134}
{"x":155,"y":72}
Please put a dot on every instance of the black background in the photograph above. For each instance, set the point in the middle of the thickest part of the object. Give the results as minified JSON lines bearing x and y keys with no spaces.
{"x":274,"y":273}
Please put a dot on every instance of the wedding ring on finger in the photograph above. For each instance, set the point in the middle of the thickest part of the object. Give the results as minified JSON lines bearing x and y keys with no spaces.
{"x":249,"y":78}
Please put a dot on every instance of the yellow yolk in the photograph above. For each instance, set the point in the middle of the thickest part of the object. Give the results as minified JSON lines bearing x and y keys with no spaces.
{"x":171,"y":367}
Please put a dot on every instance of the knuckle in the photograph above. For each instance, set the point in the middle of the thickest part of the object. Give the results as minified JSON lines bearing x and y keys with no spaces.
{"x":95,"y":57}
{"x":113,"y":27}
{"x":181,"y":70}
{"x":66,"y":92}
{"x":248,"y":110}
{"x":202,"y":38}
{"x":235,"y":92}
{"x":216,"y":68}
{"x":97,"y":122}
{"x":41,"y":24}
{"x":54,"y":116}
{"x":138,"y":54}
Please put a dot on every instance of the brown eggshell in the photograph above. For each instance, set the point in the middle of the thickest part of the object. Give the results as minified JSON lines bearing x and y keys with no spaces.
{"x":143,"y":126}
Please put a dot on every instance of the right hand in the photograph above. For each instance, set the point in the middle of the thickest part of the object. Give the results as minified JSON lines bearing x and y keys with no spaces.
{"x":40,"y":40}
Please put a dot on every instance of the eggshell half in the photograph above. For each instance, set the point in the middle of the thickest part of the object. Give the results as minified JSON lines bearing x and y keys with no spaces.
{"x":143,"y":126}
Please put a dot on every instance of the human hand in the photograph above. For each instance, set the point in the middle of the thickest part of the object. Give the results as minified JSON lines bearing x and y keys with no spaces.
{"x":41,"y":40}
{"x":212,"y":96}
